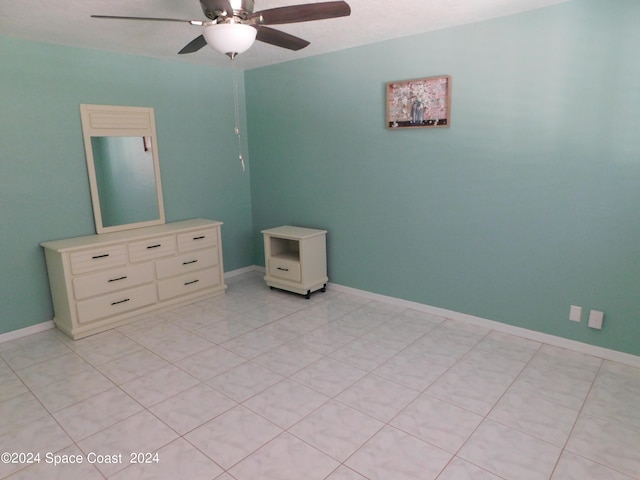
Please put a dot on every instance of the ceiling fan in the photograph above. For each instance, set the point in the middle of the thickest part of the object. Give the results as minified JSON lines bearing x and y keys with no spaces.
{"x":232,"y":26}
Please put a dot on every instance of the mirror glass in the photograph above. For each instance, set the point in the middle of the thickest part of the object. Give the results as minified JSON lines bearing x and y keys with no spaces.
{"x":123,"y":167}
{"x":126,"y":179}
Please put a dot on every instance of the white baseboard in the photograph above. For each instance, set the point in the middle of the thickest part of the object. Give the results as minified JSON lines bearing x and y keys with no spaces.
{"x":600,"y":352}
{"x":23,"y":332}
{"x":240,"y":271}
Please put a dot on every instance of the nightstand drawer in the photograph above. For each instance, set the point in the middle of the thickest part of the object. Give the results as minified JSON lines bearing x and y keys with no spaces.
{"x":98,"y":259}
{"x":152,"y":248}
{"x":115,"y":303}
{"x":112,"y":280}
{"x":198,"y":239}
{"x":186,"y":263}
{"x":285,"y":269}
{"x":189,"y":282}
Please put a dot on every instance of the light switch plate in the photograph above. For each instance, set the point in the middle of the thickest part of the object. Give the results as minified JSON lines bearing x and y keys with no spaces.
{"x":595,"y":319}
{"x":575,"y":313}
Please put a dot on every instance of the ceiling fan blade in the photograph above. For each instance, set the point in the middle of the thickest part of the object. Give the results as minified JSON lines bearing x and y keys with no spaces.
{"x":152,"y":19}
{"x":279,"y":38}
{"x":302,"y":13}
{"x":194,"y":45}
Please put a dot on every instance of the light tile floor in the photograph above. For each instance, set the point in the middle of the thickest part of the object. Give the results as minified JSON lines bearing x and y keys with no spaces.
{"x":265,"y":385}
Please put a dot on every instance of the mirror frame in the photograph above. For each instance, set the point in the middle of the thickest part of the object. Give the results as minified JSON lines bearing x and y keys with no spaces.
{"x":119,"y":121}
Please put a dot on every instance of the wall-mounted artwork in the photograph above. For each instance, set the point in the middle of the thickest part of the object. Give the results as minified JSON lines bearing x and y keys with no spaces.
{"x":420,"y":103}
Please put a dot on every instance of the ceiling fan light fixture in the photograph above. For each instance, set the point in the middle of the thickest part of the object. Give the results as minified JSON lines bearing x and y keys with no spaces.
{"x":230,"y":38}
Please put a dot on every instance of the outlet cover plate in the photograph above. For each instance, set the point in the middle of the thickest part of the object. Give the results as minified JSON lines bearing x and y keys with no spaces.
{"x":575,"y":313}
{"x":595,"y":319}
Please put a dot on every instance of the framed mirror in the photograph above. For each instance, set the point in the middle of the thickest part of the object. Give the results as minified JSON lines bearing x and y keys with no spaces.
{"x":123,"y":167}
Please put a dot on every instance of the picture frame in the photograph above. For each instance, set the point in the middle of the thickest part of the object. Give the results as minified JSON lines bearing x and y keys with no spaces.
{"x":419,"y":103}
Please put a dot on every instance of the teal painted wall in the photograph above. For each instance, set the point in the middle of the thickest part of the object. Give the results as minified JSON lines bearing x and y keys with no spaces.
{"x":44,"y":188}
{"x":527,"y":204}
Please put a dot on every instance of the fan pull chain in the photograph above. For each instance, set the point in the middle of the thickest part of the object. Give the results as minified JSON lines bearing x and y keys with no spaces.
{"x":237,"y":112}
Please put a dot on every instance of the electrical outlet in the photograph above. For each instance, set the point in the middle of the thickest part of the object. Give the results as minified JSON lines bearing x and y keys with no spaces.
{"x":575,"y":313}
{"x":595,"y":319}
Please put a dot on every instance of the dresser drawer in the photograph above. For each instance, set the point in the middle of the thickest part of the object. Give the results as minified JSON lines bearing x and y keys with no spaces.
{"x":115,"y":303}
{"x":186,"y":263}
{"x":112,"y":280}
{"x":189,"y":282}
{"x":98,"y":259}
{"x":285,"y":269}
{"x":196,"y":240}
{"x":152,"y":248}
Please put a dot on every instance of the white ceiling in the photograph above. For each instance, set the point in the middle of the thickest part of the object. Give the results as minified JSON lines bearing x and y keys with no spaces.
{"x":68,"y":22}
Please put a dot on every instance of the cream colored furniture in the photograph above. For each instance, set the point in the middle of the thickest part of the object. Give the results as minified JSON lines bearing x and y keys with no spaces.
{"x":121,"y":149}
{"x":296,"y":259}
{"x":99,"y":282}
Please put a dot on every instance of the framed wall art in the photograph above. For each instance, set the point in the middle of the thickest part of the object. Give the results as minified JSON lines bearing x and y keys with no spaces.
{"x":420,"y":103}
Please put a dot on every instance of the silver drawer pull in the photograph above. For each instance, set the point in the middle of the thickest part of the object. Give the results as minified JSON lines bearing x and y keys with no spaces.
{"x":189,"y":262}
{"x":116,"y":279}
{"x":95,"y":257}
{"x":192,"y":282}
{"x":199,"y":238}
{"x":283,"y":269}
{"x":121,"y":301}
{"x":155,"y":246}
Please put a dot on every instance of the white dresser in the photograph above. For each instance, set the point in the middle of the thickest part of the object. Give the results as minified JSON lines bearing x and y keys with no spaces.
{"x":102,"y":281}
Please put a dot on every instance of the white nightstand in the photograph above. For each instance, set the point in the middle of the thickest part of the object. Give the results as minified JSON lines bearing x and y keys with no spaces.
{"x":296,"y":259}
